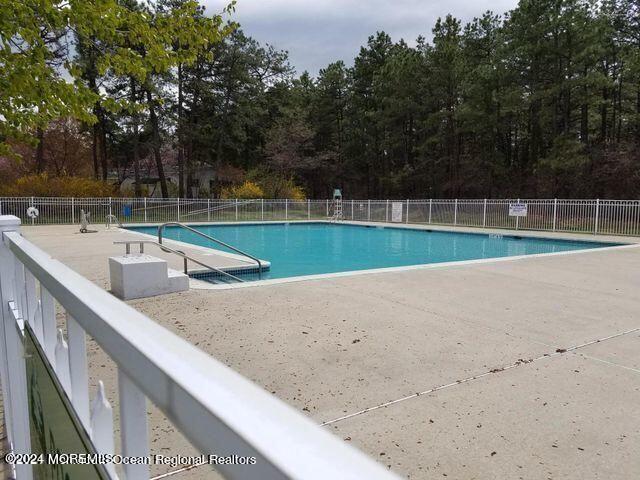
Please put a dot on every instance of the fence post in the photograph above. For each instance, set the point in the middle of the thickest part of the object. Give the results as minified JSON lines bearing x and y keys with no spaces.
{"x":208,"y":209}
{"x":430,"y":204}
{"x":455,"y":212}
{"x":262,"y":208}
{"x":517,"y":218}
{"x":386,"y":211}
{"x":145,"y":209}
{"x":352,"y":216}
{"x":484,"y":214}
{"x":286,"y":209}
{"x":133,"y":421}
{"x":369,"y":210}
{"x":178,"y":208}
{"x":595,"y":228}
{"x":555,"y":212}
{"x":32,"y":219}
{"x":407,"y":219}
{"x":73,"y":213}
{"x":78,"y":374}
{"x":327,"y":207}
{"x":110,"y":212}
{"x":13,"y":369}
{"x":8,"y":223}
{"x":308,"y":209}
{"x":236,"y":209}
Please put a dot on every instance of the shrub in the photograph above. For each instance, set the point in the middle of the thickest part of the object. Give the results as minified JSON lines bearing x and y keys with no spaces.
{"x":42,"y":185}
{"x":246,"y":190}
{"x":275,"y":185}
{"x":295,"y":192}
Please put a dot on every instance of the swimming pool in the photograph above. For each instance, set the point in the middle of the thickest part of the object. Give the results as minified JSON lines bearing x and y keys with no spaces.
{"x":297,"y":249}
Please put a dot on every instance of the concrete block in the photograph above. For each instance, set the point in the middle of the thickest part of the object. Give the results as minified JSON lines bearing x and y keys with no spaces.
{"x":178,"y":281}
{"x":139,"y":276}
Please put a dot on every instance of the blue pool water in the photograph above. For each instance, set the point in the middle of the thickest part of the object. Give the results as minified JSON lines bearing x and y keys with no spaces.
{"x":296,"y":249}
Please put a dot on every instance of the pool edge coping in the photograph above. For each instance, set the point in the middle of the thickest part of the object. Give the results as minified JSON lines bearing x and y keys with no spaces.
{"x":196,"y":284}
{"x":473,"y":230}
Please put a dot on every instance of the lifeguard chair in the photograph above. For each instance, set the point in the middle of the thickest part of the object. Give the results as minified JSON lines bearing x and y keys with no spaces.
{"x":337,"y":205}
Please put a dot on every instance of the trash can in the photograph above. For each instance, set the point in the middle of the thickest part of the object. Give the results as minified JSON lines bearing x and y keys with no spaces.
{"x":126,"y":210}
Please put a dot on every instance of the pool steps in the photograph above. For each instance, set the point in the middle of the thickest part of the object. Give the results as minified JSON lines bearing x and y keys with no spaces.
{"x":141,"y":275}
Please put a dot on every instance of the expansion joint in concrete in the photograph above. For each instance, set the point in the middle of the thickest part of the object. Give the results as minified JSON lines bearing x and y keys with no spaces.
{"x":517,"y":363}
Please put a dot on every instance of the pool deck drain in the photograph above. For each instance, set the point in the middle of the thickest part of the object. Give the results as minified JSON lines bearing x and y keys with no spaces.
{"x":337,"y":346}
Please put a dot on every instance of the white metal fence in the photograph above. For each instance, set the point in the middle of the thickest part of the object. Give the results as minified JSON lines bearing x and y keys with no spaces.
{"x":616,"y":217}
{"x":155,"y":210}
{"x":218,"y":410}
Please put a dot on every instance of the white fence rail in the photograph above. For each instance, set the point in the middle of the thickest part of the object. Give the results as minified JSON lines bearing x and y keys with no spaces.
{"x":156,"y":210}
{"x":614,"y":217}
{"x":217,"y":409}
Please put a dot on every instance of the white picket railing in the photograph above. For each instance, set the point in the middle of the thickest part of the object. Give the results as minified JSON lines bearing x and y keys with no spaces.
{"x":614,"y":217}
{"x":217,"y":409}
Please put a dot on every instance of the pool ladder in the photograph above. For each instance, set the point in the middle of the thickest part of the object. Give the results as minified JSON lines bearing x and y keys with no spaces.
{"x":109,"y":219}
{"x":215,"y":240}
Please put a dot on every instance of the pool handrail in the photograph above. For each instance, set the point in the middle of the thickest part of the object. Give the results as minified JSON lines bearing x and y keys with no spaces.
{"x":109,"y":218}
{"x":180,"y":253}
{"x":209,"y":237}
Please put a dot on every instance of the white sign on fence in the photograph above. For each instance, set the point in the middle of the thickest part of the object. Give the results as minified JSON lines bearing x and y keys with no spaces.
{"x":396,"y":212}
{"x":517,"y":209}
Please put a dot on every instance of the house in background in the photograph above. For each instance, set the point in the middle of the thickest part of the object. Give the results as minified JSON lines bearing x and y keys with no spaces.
{"x":207,"y":181}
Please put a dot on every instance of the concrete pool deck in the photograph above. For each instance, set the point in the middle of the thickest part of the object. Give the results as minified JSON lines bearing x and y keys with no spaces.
{"x":515,"y":369}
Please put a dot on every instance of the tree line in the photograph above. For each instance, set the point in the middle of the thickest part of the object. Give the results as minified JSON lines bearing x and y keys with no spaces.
{"x":542,"y":101}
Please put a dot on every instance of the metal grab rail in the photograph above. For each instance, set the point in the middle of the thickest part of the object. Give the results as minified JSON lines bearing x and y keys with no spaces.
{"x":109,"y":218}
{"x":180,"y":253}
{"x":204,"y":235}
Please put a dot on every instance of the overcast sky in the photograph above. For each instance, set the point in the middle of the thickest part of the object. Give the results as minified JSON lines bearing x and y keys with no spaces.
{"x":317,"y":32}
